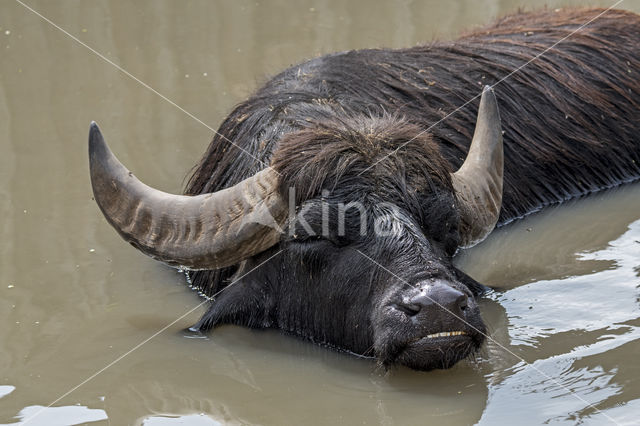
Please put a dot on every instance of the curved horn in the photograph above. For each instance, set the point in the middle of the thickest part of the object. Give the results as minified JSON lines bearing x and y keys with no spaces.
{"x":206,"y":231}
{"x":478,"y":182}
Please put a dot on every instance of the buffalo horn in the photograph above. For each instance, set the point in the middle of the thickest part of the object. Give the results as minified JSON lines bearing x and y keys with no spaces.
{"x":478,"y":182}
{"x":206,"y":231}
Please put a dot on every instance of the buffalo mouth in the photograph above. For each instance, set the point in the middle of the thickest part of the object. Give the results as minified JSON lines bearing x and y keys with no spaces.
{"x":439,"y":350}
{"x":443,"y":334}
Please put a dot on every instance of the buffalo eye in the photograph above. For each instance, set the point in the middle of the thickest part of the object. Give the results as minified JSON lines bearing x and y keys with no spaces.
{"x":316,"y":240}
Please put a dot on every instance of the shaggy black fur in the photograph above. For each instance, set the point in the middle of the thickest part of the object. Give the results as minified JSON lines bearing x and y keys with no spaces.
{"x":572,"y":126}
{"x":571,"y":117}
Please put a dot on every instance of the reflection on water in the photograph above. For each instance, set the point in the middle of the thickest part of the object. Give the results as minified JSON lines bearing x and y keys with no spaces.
{"x":564,"y":315}
{"x":58,"y":416}
{"x":575,"y":334}
{"x":588,"y":302}
{"x":6,"y":390}
{"x":193,"y":420}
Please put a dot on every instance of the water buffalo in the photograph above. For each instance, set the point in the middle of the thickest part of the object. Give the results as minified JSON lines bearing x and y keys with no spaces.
{"x":331,"y":202}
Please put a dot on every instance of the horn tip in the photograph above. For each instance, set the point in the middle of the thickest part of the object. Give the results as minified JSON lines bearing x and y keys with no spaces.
{"x":93,"y":130}
{"x":488,"y":92}
{"x":96,"y":141}
{"x":489,"y":105}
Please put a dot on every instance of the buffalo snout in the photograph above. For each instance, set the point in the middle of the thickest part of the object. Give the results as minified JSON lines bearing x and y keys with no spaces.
{"x":435,"y":299}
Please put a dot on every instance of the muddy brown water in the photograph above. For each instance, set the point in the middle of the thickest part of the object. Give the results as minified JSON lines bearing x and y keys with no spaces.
{"x":80,"y":310}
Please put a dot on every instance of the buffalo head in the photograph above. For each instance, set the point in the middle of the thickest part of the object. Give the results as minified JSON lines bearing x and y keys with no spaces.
{"x":345,"y":240}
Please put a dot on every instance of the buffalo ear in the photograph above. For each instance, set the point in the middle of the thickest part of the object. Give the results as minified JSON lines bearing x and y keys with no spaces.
{"x":476,"y":288}
{"x":238,"y":304}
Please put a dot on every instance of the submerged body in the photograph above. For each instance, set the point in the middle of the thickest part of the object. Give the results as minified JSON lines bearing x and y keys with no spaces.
{"x":382,"y":127}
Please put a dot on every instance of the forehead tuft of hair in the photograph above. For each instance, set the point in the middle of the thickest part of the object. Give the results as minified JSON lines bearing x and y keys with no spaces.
{"x":366,"y":154}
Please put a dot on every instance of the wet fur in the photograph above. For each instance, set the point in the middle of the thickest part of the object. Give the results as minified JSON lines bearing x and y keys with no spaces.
{"x":571,"y":118}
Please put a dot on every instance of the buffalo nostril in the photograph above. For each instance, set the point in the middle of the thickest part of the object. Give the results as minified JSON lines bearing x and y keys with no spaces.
{"x":410,"y":309}
{"x":463,"y":302}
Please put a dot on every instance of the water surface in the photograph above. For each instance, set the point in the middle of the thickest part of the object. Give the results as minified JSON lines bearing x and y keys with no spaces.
{"x":74,"y":298}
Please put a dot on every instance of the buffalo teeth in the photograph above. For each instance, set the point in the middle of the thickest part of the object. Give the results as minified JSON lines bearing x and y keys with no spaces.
{"x":446,"y":334}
